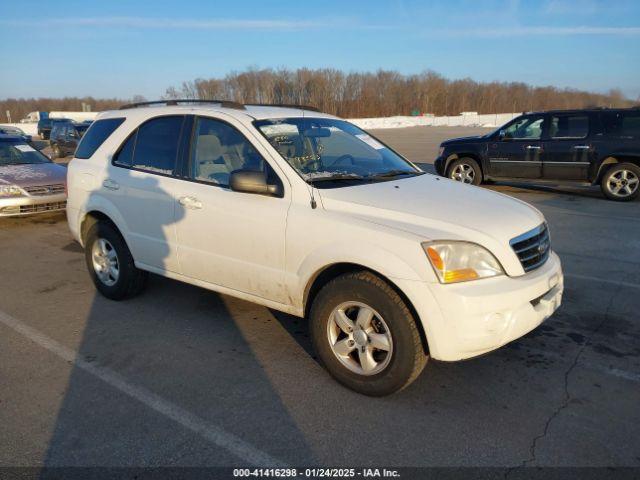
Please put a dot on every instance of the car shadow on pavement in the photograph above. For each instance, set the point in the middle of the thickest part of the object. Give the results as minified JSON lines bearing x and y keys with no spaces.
{"x":203,"y":386}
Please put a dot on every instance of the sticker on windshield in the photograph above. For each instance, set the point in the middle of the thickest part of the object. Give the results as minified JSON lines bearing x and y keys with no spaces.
{"x":25,"y":148}
{"x":372,"y":142}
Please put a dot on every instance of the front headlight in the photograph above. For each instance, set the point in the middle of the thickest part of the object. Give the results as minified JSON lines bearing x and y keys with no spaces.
{"x":461,"y":261}
{"x":10,"y":191}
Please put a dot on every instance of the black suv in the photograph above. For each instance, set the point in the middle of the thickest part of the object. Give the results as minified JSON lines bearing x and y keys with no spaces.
{"x":598,"y":146}
{"x":65,"y":137}
{"x":45,"y":125}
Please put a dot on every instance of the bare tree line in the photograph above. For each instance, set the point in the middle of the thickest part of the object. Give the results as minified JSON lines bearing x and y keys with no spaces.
{"x":20,"y":107}
{"x":353,"y":95}
{"x":387,"y":93}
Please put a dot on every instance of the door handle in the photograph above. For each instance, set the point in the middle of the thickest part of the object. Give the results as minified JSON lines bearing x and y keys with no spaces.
{"x":190,"y":202}
{"x":110,"y":184}
{"x":533,"y":147}
{"x":582,"y":147}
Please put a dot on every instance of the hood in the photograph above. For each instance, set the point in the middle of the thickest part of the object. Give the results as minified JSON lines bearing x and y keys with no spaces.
{"x":435,"y":208}
{"x":33,"y":174}
{"x":461,"y":140}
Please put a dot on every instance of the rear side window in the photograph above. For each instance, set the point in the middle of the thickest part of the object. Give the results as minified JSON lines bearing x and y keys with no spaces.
{"x":153,"y":147}
{"x":156,"y":146}
{"x":95,"y":136}
{"x":569,"y":126}
{"x":124,"y":157}
{"x":621,"y":124}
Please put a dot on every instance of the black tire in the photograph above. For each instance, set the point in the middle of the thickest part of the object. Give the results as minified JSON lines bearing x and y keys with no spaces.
{"x":408,"y":357}
{"x":620,"y":176}
{"x":130,"y":280}
{"x":473,"y":175}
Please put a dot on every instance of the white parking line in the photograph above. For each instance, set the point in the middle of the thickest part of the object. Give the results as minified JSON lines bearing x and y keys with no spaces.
{"x":214,"y":434}
{"x":617,"y":283}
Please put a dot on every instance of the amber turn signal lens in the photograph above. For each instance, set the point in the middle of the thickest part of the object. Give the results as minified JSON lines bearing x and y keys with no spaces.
{"x":435,"y":258}
{"x":452,"y":276}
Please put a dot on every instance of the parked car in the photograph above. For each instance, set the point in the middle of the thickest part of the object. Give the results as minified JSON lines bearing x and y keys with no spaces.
{"x":46,"y":124}
{"x":9,"y":130}
{"x":65,"y":137}
{"x":597,"y":146}
{"x":306,"y":213}
{"x":29,"y":181}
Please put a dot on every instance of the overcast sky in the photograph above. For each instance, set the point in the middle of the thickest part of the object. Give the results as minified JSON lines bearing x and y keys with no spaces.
{"x":122,"y":48}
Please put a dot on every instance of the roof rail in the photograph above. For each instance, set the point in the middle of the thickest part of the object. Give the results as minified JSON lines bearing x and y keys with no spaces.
{"x":173,"y":102}
{"x":284,"y":105}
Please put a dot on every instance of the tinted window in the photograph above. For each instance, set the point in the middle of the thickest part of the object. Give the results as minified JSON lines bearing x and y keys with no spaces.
{"x":569,"y":126}
{"x":125,"y":154}
{"x":219,"y":149}
{"x":55,"y":131}
{"x":156,"y":146}
{"x":622,"y":124}
{"x":525,"y":128}
{"x":96,"y":135}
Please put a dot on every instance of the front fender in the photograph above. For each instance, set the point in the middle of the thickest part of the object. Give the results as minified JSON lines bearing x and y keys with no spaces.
{"x":369,"y":256}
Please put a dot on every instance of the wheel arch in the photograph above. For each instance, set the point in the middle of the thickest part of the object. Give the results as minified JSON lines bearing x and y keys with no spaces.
{"x":614,"y":159}
{"x":329,"y":272}
{"x":457,"y":156}
{"x":91,"y":218}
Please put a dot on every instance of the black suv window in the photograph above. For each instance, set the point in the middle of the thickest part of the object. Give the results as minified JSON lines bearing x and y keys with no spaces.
{"x":218,"y":149}
{"x":569,"y":126}
{"x":95,"y":136}
{"x":529,"y":128}
{"x":621,"y":124}
{"x":153,"y":147}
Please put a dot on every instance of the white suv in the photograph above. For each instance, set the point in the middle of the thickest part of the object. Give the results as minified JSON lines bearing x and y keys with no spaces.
{"x":305,"y":213}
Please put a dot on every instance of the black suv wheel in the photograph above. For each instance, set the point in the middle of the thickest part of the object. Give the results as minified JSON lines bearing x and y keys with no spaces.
{"x":621,"y":182}
{"x":465,"y":170}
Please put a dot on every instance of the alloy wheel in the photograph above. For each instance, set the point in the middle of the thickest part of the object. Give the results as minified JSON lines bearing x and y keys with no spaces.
{"x":623,"y":183}
{"x":105,"y":262}
{"x":463,"y":173}
{"x":359,"y":338}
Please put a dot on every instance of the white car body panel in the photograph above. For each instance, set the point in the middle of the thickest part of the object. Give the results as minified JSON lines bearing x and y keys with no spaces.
{"x":269,"y":249}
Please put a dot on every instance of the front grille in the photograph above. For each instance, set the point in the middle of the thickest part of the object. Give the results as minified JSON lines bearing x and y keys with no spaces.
{"x":43,"y":207}
{"x":41,"y":190}
{"x":532,"y":247}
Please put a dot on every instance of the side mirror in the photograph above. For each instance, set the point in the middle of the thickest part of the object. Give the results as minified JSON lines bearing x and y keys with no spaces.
{"x":252,"y":181}
{"x":502,"y":134}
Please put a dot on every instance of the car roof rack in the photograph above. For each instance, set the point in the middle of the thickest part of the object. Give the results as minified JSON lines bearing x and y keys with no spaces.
{"x":174,"y":102}
{"x":284,"y":105}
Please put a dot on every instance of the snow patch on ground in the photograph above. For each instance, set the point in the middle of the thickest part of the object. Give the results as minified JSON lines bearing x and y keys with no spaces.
{"x":468,"y":120}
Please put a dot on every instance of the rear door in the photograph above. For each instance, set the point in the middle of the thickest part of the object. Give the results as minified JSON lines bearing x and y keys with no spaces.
{"x":516,"y":152}
{"x":567,"y":149}
{"x":141,"y":183}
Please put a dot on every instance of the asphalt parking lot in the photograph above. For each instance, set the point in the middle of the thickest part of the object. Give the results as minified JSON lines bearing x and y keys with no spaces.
{"x":182,"y":376}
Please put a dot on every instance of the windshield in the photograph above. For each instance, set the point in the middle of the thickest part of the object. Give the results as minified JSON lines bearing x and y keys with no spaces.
{"x":324,"y":149}
{"x":20,"y":154}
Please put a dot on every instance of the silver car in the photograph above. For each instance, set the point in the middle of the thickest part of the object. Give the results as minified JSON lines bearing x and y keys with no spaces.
{"x":29,"y":181}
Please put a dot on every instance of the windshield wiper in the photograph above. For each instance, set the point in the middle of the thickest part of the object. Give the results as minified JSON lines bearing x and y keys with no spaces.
{"x":395,"y":173}
{"x":336,"y":177}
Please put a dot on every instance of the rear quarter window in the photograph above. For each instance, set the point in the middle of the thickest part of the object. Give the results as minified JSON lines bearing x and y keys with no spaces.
{"x":95,"y":136}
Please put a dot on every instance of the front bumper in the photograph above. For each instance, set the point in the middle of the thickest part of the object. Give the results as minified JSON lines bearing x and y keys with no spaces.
{"x":27,"y":205}
{"x":468,"y":319}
